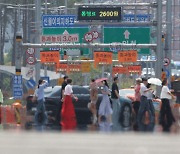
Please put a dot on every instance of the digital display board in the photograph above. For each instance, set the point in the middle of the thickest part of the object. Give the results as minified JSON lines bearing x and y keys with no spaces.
{"x":99,"y":13}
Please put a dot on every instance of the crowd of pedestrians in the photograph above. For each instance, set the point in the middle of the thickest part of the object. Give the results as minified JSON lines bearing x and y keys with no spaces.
{"x":107,"y":117}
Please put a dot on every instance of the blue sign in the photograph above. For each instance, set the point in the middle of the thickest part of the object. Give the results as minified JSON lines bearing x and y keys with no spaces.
{"x":138,"y":17}
{"x":17,"y":87}
{"x":31,"y":84}
{"x":50,"y":21}
{"x":45,"y":78}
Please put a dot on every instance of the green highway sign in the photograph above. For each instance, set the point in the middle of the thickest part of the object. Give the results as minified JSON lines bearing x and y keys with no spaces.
{"x":128,"y":35}
{"x":66,"y":35}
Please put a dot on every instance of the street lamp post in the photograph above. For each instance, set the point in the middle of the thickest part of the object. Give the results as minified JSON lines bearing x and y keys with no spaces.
{"x":37,"y":25}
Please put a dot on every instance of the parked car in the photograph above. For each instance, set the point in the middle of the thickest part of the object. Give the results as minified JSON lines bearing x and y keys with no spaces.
{"x":84,"y":116}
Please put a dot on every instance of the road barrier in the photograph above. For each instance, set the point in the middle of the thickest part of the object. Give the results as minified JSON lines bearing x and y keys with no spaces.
{"x":12,"y":115}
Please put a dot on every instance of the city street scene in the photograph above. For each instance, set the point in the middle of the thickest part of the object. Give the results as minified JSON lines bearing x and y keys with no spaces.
{"x":94,"y":76}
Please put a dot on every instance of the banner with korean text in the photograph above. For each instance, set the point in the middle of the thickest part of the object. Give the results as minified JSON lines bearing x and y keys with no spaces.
{"x":49,"y":56}
{"x":127,"y":56}
{"x":102,"y":57}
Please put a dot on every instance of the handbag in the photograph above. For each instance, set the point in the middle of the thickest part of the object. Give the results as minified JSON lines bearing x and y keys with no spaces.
{"x":34,"y":99}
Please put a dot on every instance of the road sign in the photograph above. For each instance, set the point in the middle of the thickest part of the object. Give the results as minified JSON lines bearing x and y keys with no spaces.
{"x":88,"y":37}
{"x":95,"y":34}
{"x":30,"y":60}
{"x":30,"y":51}
{"x":30,"y":71}
{"x":128,"y":35}
{"x":71,"y":30}
{"x":71,"y":52}
{"x":45,"y":78}
{"x":86,"y":67}
{"x":136,"y":17}
{"x":65,"y":38}
{"x":49,"y":57}
{"x":102,"y":57}
{"x":17,"y":87}
{"x":127,"y":56}
{"x":99,"y":13}
{"x":31,"y":83}
{"x":166,"y":61}
{"x":51,"y":21}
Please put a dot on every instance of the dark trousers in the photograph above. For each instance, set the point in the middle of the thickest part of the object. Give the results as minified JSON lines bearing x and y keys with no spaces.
{"x":166,"y":116}
{"x":145,"y":105}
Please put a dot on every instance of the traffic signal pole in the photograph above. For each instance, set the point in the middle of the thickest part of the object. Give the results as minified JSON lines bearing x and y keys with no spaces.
{"x":168,"y":37}
{"x":159,"y":50}
{"x":38,"y":30}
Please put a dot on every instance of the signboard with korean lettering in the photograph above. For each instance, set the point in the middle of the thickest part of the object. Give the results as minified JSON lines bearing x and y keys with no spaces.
{"x":128,"y":35}
{"x":17,"y":87}
{"x":75,"y":35}
{"x":50,"y":21}
{"x":102,"y":57}
{"x":49,"y":56}
{"x":127,"y":56}
{"x":74,"y":67}
{"x":62,"y":38}
{"x":86,"y":67}
{"x":61,"y":67}
{"x":119,"y":70}
{"x":99,"y":13}
{"x":134,"y":69}
{"x":136,"y":17}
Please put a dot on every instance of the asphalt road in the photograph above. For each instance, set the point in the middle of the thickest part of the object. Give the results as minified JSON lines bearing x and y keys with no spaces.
{"x":17,"y":142}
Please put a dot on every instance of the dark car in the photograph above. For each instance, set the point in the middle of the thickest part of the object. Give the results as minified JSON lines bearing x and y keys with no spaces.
{"x":53,"y":106}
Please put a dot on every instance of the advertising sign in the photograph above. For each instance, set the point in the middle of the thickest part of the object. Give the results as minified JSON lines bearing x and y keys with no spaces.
{"x":127,"y":56}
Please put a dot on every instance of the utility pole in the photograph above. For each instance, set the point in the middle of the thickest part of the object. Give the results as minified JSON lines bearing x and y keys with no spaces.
{"x":159,"y":45}
{"x":168,"y":38}
{"x":45,"y":66}
{"x":37,"y":25}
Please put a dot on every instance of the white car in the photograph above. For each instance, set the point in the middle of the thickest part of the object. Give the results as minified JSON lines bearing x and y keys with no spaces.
{"x":148,"y":72}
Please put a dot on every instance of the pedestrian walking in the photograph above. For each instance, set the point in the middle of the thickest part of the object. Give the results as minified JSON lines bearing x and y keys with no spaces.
{"x":115,"y":105}
{"x":105,"y":110}
{"x":94,"y":98}
{"x":166,"y":116}
{"x":136,"y":102}
{"x":68,"y":116}
{"x":40,"y":115}
{"x":144,"y":108}
{"x":64,"y":84}
{"x":151,"y":111}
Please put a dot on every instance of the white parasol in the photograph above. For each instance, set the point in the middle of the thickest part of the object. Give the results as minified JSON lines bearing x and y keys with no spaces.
{"x":155,"y":81}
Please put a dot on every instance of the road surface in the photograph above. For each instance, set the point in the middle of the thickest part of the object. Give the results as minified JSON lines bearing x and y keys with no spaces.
{"x":17,"y":142}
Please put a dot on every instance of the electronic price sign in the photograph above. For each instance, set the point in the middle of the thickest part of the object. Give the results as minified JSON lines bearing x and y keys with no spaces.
{"x":99,"y":13}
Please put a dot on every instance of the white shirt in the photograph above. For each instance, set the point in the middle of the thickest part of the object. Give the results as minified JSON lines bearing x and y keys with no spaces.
{"x":143,"y":89}
{"x":68,"y":90}
{"x":149,"y":95}
{"x":164,"y":93}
